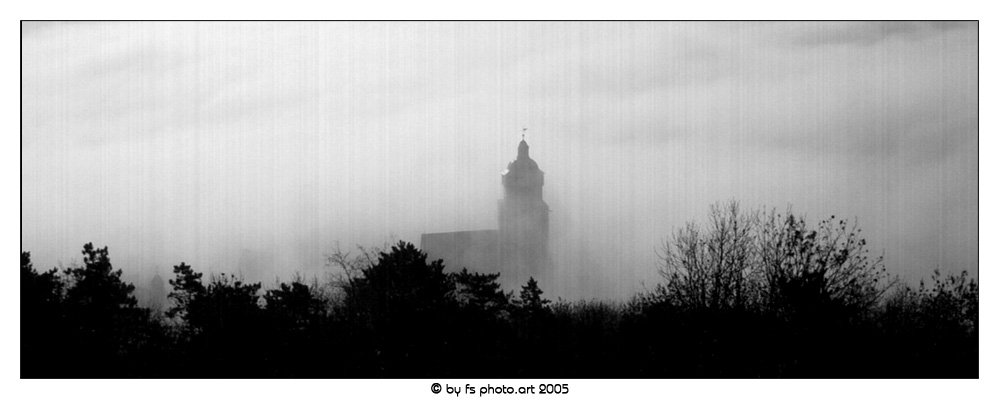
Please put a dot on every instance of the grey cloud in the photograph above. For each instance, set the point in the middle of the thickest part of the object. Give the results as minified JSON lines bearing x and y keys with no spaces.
{"x":862,"y":33}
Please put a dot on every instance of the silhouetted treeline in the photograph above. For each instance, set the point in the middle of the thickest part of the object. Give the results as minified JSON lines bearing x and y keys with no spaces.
{"x":753,"y":295}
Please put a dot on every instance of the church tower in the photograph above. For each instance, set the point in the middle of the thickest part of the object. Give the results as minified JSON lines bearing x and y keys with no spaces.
{"x":524,"y":218}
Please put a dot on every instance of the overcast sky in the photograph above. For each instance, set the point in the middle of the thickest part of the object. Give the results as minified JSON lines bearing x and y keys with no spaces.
{"x":205,"y":142}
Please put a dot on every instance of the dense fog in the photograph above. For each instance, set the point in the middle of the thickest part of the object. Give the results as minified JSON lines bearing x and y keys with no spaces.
{"x":257,"y":148}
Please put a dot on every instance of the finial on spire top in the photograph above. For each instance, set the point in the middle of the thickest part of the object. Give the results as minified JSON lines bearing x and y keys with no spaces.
{"x":522,"y":148}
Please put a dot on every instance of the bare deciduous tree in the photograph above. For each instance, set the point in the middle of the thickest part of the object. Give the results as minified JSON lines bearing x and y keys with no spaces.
{"x":830,"y":264}
{"x":713,"y":269}
{"x":765,"y":258}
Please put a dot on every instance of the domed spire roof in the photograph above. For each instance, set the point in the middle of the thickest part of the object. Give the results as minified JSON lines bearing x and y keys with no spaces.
{"x":523,"y":161}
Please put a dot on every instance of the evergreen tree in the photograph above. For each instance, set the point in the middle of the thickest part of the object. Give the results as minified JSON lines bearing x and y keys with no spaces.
{"x":531,"y":297}
{"x":479,"y":292}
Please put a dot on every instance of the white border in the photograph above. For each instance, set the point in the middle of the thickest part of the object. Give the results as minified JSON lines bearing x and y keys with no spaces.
{"x":744,"y":389}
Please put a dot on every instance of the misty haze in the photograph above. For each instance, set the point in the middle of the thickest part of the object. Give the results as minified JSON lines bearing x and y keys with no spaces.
{"x":636,"y":173}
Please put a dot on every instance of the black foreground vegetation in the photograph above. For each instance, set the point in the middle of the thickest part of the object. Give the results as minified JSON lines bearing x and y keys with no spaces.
{"x":749,"y":295}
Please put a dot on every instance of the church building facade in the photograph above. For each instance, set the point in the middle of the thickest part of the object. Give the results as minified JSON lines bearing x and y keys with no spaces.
{"x":518,"y":249}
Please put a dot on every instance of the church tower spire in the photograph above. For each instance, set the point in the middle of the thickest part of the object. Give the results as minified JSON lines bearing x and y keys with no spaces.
{"x":522,"y":149}
{"x":524,"y":216}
